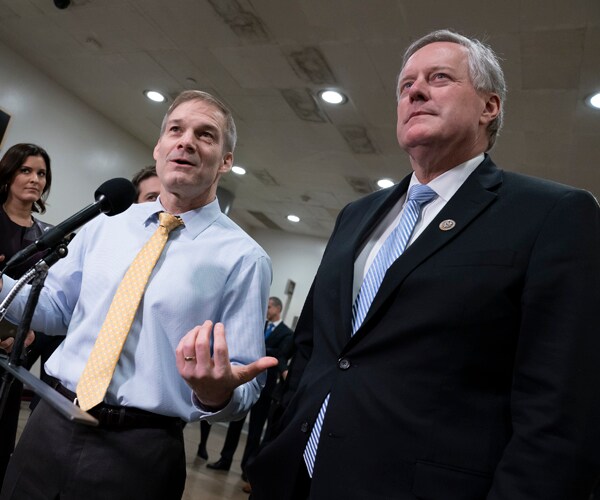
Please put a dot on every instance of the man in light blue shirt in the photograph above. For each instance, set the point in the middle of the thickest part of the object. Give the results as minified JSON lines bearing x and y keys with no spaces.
{"x":210,"y":270}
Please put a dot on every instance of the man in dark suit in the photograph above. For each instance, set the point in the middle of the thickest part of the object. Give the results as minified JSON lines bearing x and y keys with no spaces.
{"x":474,"y":371}
{"x":279,"y":344}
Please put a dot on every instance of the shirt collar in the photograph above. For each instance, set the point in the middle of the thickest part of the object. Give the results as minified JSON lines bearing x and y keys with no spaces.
{"x":449,"y":182}
{"x":195,"y":221}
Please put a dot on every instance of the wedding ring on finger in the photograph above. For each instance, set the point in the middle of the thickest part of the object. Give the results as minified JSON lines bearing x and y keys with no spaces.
{"x":189,"y":358}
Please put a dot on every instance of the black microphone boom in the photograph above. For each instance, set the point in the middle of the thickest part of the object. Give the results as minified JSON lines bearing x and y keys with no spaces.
{"x":112,"y":197}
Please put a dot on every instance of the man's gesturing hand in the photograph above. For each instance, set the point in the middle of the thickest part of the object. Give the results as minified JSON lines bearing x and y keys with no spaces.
{"x":213,"y":379}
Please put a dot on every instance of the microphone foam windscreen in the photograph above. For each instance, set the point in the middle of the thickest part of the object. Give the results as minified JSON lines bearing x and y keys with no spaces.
{"x":118,"y":193}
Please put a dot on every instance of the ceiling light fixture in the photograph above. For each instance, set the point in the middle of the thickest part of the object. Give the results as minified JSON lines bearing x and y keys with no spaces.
{"x":293,"y":218}
{"x":385,"y":183}
{"x":155,"y":96}
{"x":332,"y":97}
{"x":594,"y":100}
{"x":236,"y":169}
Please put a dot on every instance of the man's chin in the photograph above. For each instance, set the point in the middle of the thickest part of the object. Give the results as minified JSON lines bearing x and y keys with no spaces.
{"x":177,"y":179}
{"x":415,"y":139}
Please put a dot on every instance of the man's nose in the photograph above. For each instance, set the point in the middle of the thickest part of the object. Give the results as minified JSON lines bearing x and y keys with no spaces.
{"x":418,"y":90}
{"x":186,"y":140}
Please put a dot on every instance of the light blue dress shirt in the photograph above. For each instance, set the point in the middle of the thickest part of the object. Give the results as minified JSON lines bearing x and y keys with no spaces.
{"x":209,"y":270}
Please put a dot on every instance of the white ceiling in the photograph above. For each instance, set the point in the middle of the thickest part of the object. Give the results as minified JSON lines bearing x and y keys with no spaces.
{"x":262,"y":56}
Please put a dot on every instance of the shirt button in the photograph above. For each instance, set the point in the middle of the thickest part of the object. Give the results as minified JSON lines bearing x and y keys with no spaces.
{"x":343,"y":364}
{"x":304,"y":427}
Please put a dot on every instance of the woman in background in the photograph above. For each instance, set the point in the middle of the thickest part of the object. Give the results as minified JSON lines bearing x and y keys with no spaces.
{"x":25,"y":180}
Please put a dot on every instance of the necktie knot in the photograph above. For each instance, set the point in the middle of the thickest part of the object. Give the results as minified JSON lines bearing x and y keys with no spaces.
{"x":168,"y":221}
{"x":421,"y":194}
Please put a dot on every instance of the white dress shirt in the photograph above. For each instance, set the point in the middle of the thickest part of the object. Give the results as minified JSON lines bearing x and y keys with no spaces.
{"x":445,"y":185}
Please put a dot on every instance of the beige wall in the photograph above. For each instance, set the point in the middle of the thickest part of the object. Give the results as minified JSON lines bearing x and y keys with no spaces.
{"x":85,"y":148}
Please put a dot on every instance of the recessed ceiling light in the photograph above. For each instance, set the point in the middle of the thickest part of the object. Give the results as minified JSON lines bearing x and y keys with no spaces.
{"x":155,"y":96}
{"x":293,"y":218}
{"x":385,"y":183}
{"x":236,"y":169}
{"x":594,"y":100}
{"x":332,"y":97}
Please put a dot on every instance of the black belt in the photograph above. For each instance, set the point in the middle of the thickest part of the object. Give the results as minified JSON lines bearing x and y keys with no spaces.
{"x":122,"y":416}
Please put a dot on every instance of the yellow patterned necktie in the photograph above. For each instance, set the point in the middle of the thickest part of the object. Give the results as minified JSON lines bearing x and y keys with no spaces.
{"x":103,"y":359}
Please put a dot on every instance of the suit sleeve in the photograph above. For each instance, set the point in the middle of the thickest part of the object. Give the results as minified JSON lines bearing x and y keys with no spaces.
{"x":303,"y":334}
{"x":555,"y":401}
{"x":302,"y":346}
{"x":283,"y":349}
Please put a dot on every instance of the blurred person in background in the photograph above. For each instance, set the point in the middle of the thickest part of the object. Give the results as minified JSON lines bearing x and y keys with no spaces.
{"x":147,"y":184}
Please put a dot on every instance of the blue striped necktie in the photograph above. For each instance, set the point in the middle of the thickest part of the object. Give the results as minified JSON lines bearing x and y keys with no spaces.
{"x":418,"y":196}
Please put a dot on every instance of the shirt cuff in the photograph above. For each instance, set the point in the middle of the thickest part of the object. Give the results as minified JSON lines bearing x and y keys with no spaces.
{"x":231,"y":411}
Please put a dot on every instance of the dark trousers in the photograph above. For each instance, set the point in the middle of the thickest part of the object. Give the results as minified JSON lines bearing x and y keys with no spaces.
{"x":232,"y":438}
{"x":9,"y":421}
{"x":57,"y":459}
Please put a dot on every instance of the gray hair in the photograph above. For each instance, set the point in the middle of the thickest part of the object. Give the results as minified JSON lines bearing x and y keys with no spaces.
{"x":230,"y":138}
{"x":484,"y":70}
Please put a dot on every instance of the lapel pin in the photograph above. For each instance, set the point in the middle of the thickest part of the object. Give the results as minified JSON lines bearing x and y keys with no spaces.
{"x":447,"y":225}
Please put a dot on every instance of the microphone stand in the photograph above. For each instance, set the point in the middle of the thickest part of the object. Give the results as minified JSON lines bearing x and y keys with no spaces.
{"x":12,"y":364}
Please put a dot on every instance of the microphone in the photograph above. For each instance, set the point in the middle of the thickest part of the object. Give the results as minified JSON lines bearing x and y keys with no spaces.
{"x":112,"y":197}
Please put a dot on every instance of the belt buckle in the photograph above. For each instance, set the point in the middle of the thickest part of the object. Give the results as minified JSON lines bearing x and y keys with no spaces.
{"x":112,"y":417}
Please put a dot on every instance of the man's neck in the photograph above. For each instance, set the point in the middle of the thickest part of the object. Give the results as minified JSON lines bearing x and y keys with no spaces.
{"x":176,"y":204}
{"x":429,"y":162}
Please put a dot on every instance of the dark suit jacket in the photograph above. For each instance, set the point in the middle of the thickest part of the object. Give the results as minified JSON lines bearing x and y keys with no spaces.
{"x":475,"y":373}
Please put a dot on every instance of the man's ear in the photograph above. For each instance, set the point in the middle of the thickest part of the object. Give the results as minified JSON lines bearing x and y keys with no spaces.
{"x":491,"y":109}
{"x":226,"y":163}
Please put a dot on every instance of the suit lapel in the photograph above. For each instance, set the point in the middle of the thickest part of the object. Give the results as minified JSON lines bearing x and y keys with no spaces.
{"x":352,"y":241}
{"x":474,"y":196}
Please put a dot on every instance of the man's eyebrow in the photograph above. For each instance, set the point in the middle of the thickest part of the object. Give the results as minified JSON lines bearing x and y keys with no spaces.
{"x":208,"y":126}
{"x":442,"y":67}
{"x":172,"y":121}
{"x":203,"y":126}
{"x":429,"y":69}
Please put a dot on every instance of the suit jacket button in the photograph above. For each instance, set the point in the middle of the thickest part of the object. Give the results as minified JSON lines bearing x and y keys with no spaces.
{"x":343,"y":364}
{"x":304,"y":427}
